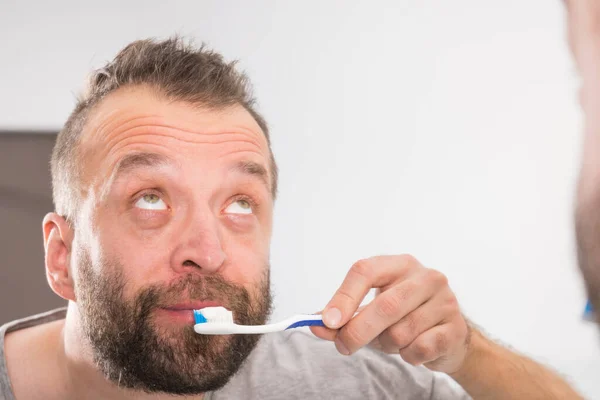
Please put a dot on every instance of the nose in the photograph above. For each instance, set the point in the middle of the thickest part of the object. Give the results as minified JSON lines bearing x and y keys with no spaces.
{"x":200,"y":249}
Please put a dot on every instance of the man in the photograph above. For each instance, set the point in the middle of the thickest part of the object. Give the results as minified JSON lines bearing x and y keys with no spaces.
{"x":164,"y":184}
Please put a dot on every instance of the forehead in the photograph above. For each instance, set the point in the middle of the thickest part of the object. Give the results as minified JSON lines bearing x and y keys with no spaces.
{"x":138,"y":119}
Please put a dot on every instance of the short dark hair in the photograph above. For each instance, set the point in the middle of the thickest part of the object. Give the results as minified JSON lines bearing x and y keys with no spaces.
{"x":176,"y":69}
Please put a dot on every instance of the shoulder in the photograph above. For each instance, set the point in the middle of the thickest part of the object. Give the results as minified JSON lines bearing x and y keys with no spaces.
{"x":298,"y":364}
{"x":27,"y":338}
{"x":25,"y":349}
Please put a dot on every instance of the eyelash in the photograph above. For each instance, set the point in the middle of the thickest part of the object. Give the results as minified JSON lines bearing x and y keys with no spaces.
{"x":143,"y":193}
{"x":253,"y":203}
{"x":249,"y":199}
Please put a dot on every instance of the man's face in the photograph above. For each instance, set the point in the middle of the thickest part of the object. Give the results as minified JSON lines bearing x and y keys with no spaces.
{"x":176,"y":215}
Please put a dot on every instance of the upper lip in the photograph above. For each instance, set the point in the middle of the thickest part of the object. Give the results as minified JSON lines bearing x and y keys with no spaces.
{"x":193,"y":305}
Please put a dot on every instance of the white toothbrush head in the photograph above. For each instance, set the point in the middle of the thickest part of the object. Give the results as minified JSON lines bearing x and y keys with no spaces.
{"x":219,"y":315}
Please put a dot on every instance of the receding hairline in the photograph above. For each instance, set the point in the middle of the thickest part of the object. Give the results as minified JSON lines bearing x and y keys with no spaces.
{"x":155,"y":93}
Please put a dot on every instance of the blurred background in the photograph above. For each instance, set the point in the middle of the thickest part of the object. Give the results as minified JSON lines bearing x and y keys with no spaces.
{"x":448,"y":130}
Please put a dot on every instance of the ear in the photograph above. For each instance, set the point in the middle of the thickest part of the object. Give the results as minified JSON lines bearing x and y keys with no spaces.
{"x":58,"y":240}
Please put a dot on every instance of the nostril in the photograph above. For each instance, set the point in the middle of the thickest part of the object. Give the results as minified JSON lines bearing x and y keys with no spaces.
{"x":190,"y":263}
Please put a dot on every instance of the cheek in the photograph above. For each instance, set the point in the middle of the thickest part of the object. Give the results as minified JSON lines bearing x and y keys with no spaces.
{"x":247,"y":259}
{"x":138,"y":258}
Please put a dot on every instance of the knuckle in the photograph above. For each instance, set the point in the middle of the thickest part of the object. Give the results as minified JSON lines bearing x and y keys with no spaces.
{"x":423,"y":350}
{"x":436,"y":277}
{"x":352,"y":335}
{"x":452,"y":301}
{"x":362,"y":268}
{"x":344,"y":296}
{"x":451,"y":305}
{"x":442,"y":343}
{"x":401,"y":336}
{"x":408,"y":260}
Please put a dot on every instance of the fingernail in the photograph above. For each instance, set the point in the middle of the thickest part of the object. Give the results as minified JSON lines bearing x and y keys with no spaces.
{"x":341,"y":348}
{"x":332,"y":317}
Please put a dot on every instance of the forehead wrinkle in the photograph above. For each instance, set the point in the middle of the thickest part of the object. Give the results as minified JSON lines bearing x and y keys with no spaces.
{"x":115,"y":124}
{"x":112,"y":121}
{"x":164,"y":132}
{"x":160,"y":142}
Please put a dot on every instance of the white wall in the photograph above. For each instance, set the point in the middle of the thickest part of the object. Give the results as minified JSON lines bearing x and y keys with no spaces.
{"x":449,"y":130}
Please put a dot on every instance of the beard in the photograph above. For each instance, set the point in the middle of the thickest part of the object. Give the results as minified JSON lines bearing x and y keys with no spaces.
{"x":135,"y":353}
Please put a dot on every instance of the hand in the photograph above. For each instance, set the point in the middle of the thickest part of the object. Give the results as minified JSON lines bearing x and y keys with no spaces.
{"x":414,"y":314}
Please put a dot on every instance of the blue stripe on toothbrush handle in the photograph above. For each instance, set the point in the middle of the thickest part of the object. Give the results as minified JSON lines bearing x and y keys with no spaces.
{"x":310,"y":322}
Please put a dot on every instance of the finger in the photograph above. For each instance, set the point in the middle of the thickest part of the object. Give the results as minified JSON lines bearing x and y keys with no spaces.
{"x":439,"y":309}
{"x":324,"y":332}
{"x":327,"y":333}
{"x":364,"y":275}
{"x":429,"y":346}
{"x":388,"y":308}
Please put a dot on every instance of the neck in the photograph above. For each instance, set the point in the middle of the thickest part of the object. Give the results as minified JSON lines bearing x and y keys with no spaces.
{"x":82,"y":378}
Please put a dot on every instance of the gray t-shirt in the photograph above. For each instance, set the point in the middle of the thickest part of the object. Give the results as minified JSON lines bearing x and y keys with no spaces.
{"x":297,"y":365}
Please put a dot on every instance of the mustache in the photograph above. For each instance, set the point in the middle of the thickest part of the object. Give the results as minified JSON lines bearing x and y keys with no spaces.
{"x":194,"y":287}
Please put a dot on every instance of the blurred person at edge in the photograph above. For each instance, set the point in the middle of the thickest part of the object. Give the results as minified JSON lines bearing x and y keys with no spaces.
{"x":164,"y":185}
{"x":584,"y":41}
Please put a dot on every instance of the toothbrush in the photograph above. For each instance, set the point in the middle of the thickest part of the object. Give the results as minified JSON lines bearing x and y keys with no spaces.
{"x":219,"y":321}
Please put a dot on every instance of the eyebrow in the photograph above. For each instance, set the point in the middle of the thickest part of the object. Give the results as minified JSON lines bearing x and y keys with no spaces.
{"x":137,"y":160}
{"x":254,"y":169}
{"x":129,"y":163}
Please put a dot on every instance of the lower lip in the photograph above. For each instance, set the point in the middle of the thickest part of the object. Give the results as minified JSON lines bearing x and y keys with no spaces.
{"x":178,"y":316}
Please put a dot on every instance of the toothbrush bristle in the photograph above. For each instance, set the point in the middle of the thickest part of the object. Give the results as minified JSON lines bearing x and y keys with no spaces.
{"x":198,"y":317}
{"x":219,"y":315}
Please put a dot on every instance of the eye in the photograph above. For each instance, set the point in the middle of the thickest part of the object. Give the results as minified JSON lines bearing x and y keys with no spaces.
{"x":240,"y":206}
{"x":151,"y":201}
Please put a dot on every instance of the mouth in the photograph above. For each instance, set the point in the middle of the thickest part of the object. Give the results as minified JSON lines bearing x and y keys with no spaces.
{"x":183,"y":313}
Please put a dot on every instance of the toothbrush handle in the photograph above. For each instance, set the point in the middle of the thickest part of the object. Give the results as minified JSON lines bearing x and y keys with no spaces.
{"x":216,"y":328}
{"x":298,"y":321}
{"x":307,"y":320}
